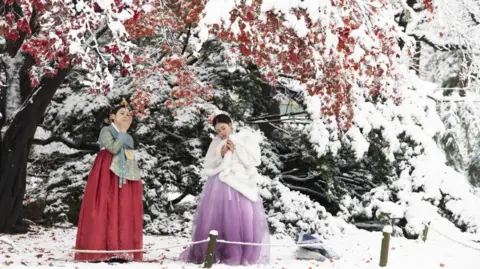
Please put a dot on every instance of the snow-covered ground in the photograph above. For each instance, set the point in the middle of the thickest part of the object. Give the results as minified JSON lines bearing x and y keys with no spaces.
{"x":358,"y":249}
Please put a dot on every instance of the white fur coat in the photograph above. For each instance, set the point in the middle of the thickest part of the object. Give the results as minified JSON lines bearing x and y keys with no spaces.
{"x":238,"y":170}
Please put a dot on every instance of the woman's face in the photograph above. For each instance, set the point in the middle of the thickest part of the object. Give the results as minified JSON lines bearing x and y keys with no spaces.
{"x":121,"y":116}
{"x":223,"y":129}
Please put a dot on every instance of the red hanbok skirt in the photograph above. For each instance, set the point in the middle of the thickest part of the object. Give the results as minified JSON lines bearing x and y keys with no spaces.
{"x":111,"y":218}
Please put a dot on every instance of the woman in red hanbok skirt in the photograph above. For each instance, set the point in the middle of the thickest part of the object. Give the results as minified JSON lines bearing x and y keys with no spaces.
{"x":111,"y":216}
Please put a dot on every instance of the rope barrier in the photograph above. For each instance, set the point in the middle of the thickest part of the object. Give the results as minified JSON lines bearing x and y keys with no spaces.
{"x":457,"y":88}
{"x":218,"y":241}
{"x":271,"y":245}
{"x":180,"y":245}
{"x":455,"y":241}
{"x":117,"y":251}
{"x":138,"y":250}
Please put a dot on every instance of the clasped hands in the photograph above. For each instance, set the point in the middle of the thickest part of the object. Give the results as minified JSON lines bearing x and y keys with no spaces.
{"x":227,"y":147}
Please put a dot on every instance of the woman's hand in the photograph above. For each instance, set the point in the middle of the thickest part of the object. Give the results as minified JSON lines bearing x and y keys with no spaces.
{"x":224,"y":150}
{"x":230,"y":145}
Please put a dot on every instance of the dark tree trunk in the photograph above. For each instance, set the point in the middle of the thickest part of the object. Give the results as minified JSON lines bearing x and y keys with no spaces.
{"x":14,"y":150}
{"x":25,"y":85}
{"x":3,"y":94}
{"x":416,"y":57}
{"x":273,"y":109}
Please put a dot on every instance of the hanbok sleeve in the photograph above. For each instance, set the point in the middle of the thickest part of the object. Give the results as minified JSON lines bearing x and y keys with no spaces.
{"x":213,"y":157}
{"x":109,"y":142}
{"x":247,"y":149}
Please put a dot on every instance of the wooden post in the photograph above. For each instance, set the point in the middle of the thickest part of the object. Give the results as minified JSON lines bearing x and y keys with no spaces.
{"x":210,"y":249}
{"x":425,"y":233}
{"x":385,"y":246}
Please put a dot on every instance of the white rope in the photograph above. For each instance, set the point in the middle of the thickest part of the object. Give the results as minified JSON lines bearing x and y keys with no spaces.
{"x":453,"y":240}
{"x":457,"y":88}
{"x":127,"y":251}
{"x":271,"y":245}
{"x":105,"y":251}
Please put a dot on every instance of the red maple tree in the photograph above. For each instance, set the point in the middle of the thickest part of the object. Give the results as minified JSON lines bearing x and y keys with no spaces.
{"x":338,"y":49}
{"x":353,"y":47}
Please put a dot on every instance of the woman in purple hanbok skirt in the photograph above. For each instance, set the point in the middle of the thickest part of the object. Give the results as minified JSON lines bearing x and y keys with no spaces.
{"x":230,"y":203}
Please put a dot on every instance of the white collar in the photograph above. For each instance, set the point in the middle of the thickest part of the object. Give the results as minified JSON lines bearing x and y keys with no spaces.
{"x":114,"y":126}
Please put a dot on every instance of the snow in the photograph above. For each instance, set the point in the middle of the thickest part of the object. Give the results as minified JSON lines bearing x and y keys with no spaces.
{"x":424,"y":183}
{"x":75,"y":47}
{"x":359,"y":144}
{"x":51,"y":147}
{"x":387,"y":229}
{"x":357,"y":249}
{"x":218,"y":12}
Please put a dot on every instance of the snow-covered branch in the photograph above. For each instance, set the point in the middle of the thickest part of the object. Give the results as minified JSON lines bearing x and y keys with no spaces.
{"x":434,"y":43}
{"x":474,"y":18}
{"x":163,"y":130}
{"x":86,"y":146}
{"x":300,"y":179}
{"x":184,"y":194}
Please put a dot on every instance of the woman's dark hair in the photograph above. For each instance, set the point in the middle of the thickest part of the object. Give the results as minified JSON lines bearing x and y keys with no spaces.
{"x":123,"y":104}
{"x":117,"y":108}
{"x":221,"y":118}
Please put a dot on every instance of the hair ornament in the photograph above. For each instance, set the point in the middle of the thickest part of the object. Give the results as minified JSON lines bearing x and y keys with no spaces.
{"x":124,"y":102}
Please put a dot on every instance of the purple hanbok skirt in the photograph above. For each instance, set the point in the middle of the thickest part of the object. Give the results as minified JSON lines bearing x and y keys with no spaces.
{"x":236,"y":218}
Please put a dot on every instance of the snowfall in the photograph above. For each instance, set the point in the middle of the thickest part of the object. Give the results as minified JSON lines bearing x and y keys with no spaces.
{"x":445,"y":247}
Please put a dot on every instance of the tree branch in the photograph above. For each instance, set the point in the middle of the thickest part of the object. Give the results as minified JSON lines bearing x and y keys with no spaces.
{"x":307,"y":191}
{"x":290,"y":171}
{"x":163,"y":130}
{"x":189,"y":33}
{"x":14,"y":45}
{"x":180,"y":198}
{"x":3,"y":94}
{"x":370,"y":226}
{"x":321,"y":198}
{"x":35,"y":175}
{"x":276,"y":116}
{"x":474,"y":18}
{"x":444,"y":47}
{"x":299,"y":179}
{"x":99,"y":33}
{"x":192,"y":61}
{"x":354,"y":181}
{"x":67,"y":142}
